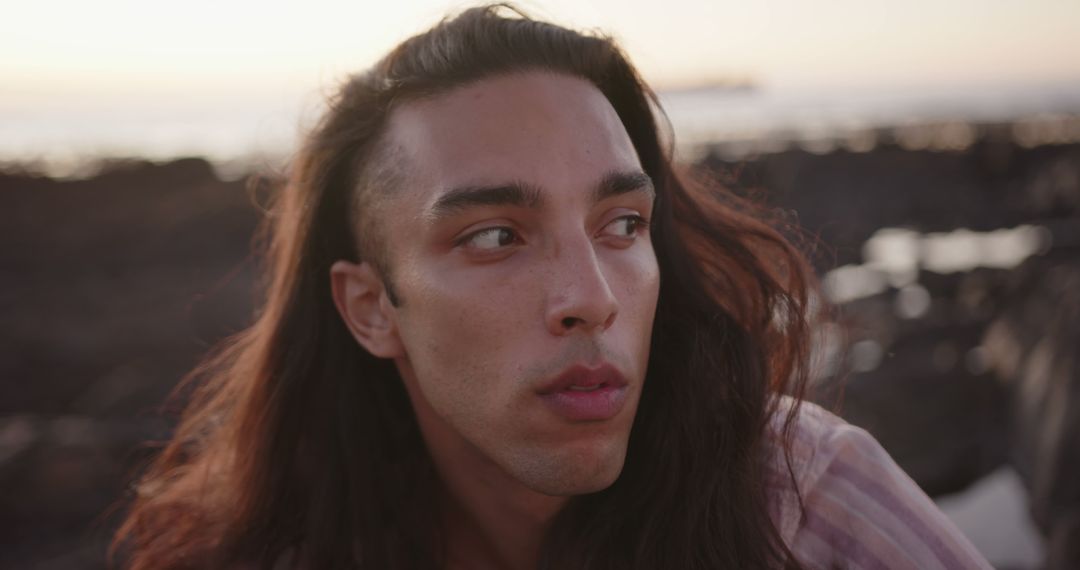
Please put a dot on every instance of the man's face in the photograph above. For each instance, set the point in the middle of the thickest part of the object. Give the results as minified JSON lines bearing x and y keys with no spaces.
{"x":519,"y":248}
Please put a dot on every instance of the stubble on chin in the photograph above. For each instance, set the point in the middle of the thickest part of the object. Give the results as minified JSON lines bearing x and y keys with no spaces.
{"x":576,"y":469}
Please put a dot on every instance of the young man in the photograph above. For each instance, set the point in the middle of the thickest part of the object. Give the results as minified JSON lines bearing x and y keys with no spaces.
{"x":502,"y":331}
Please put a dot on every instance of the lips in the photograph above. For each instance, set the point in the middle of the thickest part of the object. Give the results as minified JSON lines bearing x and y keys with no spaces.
{"x":586,"y":394}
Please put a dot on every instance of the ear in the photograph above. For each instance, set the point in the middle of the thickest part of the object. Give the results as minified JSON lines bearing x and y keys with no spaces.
{"x":361,"y":300}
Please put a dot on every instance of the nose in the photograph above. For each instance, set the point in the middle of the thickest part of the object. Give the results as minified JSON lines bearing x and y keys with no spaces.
{"x":580,"y":299}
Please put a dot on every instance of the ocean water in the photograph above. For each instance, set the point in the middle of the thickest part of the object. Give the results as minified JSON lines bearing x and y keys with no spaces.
{"x":806,"y":114}
{"x":61,"y":135}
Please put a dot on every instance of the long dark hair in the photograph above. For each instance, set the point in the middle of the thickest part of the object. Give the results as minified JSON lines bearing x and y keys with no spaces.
{"x":298,"y":443}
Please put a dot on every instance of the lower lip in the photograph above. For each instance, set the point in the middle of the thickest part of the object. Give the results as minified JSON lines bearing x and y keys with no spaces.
{"x":599,"y":404}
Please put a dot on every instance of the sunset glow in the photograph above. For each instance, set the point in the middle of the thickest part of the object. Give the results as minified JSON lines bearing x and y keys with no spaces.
{"x":271,"y":62}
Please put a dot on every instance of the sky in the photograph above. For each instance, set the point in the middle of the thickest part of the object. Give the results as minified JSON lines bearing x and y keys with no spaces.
{"x":67,"y":59}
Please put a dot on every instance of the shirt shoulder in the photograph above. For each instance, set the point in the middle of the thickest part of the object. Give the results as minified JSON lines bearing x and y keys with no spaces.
{"x":860,"y":510}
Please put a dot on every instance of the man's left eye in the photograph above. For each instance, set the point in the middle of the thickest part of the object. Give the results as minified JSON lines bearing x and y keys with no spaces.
{"x":625,"y":226}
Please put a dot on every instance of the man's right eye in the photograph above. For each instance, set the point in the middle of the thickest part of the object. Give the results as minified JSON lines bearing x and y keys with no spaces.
{"x":490,"y":239}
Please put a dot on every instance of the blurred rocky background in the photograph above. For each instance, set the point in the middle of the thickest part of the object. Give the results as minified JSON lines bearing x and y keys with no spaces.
{"x":113,"y":287}
{"x":950,"y":248}
{"x":952,"y":252}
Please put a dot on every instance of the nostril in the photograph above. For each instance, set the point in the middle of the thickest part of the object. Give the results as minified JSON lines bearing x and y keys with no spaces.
{"x":569,"y":322}
{"x":609,"y":321}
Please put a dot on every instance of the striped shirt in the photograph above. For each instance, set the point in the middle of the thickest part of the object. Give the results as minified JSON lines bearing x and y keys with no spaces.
{"x":861,"y":510}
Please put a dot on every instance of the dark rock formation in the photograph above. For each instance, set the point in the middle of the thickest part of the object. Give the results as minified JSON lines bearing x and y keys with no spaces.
{"x":115,"y":285}
{"x":112,"y":289}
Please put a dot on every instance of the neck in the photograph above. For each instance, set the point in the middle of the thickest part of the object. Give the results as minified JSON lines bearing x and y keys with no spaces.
{"x":489,"y":528}
{"x":491,"y":521}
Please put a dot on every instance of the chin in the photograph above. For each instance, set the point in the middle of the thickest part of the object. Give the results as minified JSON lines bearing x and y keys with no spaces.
{"x":572,"y":474}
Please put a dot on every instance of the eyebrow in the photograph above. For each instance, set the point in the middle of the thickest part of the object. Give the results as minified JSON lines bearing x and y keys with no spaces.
{"x":525,"y":195}
{"x":616,"y":183}
{"x":519,"y":194}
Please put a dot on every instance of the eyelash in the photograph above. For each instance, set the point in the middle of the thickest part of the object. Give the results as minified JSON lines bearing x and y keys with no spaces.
{"x":640,"y":225}
{"x":470,"y":237}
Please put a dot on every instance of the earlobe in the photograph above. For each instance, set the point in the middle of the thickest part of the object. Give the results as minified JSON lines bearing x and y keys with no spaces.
{"x":359,"y":295}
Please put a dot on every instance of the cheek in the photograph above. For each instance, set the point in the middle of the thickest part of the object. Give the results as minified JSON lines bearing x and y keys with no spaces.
{"x":637,"y":286}
{"x":472,"y":302}
{"x":460,"y":332}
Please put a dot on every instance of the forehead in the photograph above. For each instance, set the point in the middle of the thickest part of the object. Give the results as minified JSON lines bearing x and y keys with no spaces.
{"x":547,"y":129}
